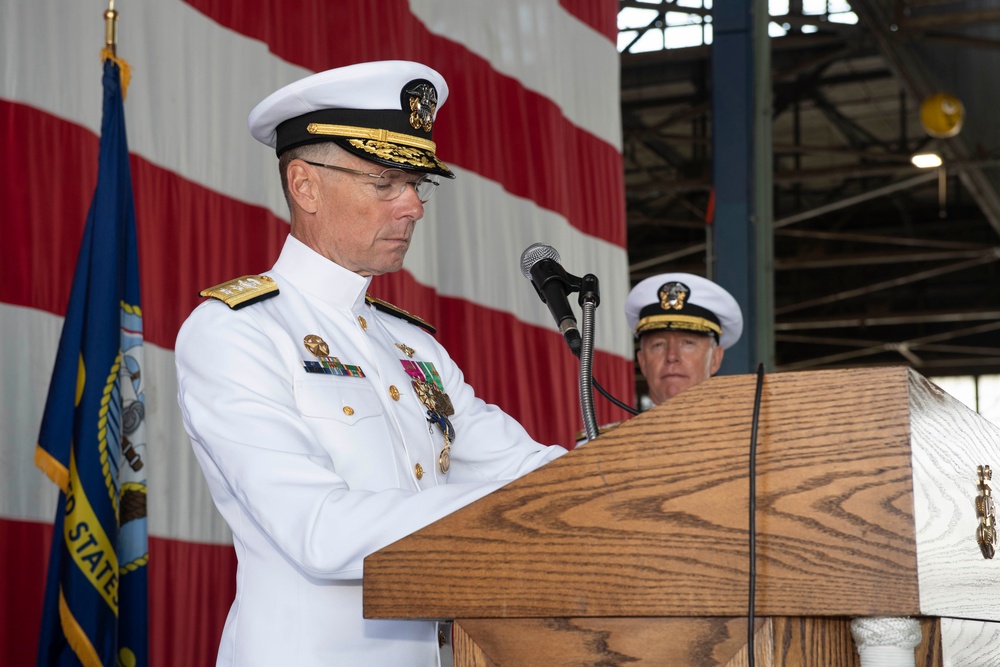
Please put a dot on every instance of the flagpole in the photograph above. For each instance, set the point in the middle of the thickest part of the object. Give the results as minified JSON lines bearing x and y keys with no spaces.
{"x":111,"y":28}
{"x":110,"y":50}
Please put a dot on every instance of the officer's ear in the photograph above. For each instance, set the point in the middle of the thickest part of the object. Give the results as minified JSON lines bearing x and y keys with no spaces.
{"x":717,"y":355}
{"x":304,"y":185}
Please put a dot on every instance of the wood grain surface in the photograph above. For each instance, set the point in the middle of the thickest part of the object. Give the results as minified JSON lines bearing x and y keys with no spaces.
{"x":651,"y":518}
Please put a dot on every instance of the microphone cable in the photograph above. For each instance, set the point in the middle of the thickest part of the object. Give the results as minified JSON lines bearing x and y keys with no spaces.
{"x":752,"y":530}
{"x":624,"y":406}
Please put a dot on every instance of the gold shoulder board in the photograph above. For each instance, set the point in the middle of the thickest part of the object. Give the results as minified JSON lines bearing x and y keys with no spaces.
{"x":243,"y":291}
{"x":387,"y":307}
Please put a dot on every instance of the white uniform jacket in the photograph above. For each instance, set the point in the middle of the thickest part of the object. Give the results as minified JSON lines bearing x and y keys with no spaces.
{"x":314,"y":470}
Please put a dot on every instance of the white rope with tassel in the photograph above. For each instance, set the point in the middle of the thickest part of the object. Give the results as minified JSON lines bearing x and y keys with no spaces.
{"x":886,"y":642}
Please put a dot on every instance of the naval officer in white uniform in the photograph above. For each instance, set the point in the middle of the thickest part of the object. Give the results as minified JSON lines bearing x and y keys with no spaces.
{"x":328,"y":424}
{"x":683,"y":324}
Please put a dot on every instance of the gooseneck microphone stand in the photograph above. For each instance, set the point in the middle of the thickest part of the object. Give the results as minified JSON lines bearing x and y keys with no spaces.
{"x":540,"y":264}
{"x":589,"y":300}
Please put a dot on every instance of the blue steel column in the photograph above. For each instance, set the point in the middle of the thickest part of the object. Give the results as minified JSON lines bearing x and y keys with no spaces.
{"x":742,"y":175}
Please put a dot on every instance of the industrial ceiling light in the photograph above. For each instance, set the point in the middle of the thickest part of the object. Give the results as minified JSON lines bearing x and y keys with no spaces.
{"x":926,"y":160}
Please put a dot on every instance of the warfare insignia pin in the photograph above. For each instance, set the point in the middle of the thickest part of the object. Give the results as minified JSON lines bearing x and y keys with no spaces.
{"x":406,"y":349}
{"x":316,"y":345}
{"x":673,"y":295}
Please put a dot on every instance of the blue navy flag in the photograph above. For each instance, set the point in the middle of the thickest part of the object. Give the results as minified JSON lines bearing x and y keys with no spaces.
{"x":92,"y":442}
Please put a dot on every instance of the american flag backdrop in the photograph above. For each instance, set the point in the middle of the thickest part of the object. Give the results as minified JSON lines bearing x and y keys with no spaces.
{"x":532,"y":129}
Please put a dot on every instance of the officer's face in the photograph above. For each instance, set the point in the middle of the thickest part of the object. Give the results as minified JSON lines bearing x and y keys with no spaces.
{"x":352,"y":226}
{"x":672,"y":361}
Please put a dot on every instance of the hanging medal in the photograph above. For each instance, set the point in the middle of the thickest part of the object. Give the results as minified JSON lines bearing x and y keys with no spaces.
{"x":429,"y":389}
{"x":444,"y":459}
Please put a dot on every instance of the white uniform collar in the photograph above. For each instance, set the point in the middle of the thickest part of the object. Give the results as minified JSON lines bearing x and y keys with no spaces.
{"x":314,"y":274}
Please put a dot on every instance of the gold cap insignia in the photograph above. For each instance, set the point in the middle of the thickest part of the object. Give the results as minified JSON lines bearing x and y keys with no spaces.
{"x":423,"y":104}
{"x":673,"y":295}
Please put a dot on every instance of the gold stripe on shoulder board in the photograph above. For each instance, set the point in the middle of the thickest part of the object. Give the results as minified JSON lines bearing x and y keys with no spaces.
{"x":243,"y":291}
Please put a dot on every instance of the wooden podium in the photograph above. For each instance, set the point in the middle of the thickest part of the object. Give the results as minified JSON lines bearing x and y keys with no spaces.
{"x":634,"y":549}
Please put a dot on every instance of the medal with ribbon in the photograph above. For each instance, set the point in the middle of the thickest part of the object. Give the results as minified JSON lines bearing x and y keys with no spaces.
{"x":430,"y":390}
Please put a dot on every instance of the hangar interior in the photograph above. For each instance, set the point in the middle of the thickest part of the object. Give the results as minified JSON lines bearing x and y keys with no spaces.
{"x":876,"y":261}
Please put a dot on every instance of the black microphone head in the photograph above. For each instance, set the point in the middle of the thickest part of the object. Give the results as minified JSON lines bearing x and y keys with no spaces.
{"x":535,"y":253}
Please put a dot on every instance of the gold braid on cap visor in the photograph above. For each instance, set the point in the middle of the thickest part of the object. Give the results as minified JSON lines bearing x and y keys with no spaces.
{"x":354,"y":132}
{"x":685,"y":322}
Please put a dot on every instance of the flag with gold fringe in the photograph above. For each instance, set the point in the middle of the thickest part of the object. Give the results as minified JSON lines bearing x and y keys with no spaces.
{"x":92,"y":442}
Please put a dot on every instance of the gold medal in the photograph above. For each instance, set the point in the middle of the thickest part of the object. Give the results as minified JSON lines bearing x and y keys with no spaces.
{"x":444,"y":459}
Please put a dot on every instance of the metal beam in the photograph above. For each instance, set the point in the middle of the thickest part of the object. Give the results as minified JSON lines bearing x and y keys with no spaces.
{"x":875,"y":238}
{"x":948,"y":19}
{"x":856,"y":199}
{"x":886,"y":320}
{"x":889,"y":347}
{"x":872,"y":259}
{"x":887,"y":284}
{"x":669,"y":257}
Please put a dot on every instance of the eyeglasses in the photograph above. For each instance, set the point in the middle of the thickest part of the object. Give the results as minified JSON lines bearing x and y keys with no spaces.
{"x":391,"y":183}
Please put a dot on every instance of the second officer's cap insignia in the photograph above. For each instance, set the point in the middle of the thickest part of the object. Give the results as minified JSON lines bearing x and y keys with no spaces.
{"x":673,"y":295}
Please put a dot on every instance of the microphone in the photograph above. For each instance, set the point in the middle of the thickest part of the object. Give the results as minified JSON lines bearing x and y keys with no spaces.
{"x":540,"y":264}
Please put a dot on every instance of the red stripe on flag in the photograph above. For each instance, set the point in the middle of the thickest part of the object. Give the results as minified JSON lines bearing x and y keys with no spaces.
{"x":490,"y":124}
